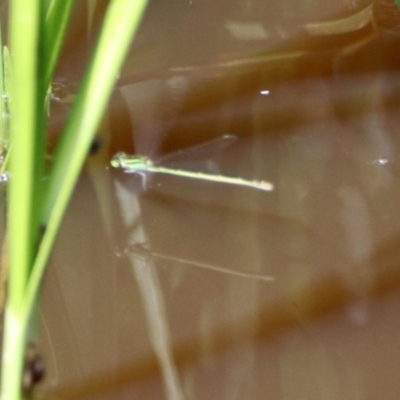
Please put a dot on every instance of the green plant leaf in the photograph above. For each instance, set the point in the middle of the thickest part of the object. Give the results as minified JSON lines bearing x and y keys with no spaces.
{"x":57,"y":20}
{"x":29,"y":252}
{"x":3,"y":105}
{"x":23,"y":34}
{"x":120,"y":24}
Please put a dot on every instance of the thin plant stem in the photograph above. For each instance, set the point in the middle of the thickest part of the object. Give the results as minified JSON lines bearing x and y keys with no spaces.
{"x":3,"y":133}
{"x":120,"y":24}
{"x":29,"y":252}
{"x":24,"y":28}
{"x":56,"y":23}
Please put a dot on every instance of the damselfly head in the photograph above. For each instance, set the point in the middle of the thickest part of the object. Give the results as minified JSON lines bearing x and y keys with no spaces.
{"x":116,"y":160}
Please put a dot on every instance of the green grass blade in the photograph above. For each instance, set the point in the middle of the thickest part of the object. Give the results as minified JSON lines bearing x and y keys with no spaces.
{"x":3,"y":106}
{"x":53,"y":18}
{"x":120,"y":24}
{"x":6,"y":75}
{"x":23,"y":35}
{"x":56,"y":24}
{"x":28,"y":93}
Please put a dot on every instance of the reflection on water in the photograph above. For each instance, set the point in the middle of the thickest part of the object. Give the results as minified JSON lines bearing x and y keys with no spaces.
{"x":217,"y":291}
{"x":153,"y":301}
{"x":141,"y":250}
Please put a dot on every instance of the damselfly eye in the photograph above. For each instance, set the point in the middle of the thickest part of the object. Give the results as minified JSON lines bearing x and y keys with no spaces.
{"x":116,"y":160}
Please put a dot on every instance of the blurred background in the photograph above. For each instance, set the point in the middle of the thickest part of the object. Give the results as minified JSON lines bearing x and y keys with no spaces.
{"x":166,"y":287}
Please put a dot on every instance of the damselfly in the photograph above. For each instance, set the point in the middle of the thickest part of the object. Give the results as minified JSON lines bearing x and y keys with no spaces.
{"x":142,"y":165}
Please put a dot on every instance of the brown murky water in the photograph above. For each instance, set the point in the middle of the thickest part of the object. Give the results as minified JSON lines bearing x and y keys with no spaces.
{"x":183,"y":289}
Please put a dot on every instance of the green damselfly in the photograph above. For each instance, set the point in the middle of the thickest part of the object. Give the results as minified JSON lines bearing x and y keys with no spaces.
{"x":142,"y":165}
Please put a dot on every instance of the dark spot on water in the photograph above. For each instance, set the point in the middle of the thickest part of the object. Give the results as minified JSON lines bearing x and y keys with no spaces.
{"x":96,"y":146}
{"x":34,"y":370}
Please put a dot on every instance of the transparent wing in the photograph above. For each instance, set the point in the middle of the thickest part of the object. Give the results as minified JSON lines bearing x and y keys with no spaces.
{"x":200,"y":152}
